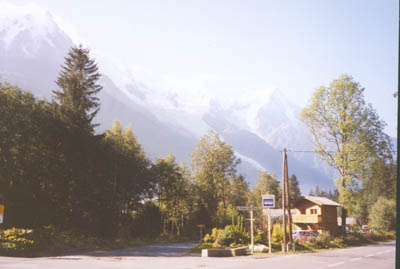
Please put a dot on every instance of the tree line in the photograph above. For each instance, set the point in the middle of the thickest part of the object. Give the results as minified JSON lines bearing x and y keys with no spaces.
{"x":55,"y":169}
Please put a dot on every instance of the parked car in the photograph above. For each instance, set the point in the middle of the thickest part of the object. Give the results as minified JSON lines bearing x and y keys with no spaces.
{"x":304,"y":235}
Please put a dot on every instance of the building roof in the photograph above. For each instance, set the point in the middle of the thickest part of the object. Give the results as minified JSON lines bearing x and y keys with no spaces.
{"x":277,"y":212}
{"x":319,"y":200}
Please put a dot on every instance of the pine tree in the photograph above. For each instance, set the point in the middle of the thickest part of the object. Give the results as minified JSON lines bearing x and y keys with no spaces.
{"x":294,"y":188}
{"x":266,"y":184}
{"x":78,"y":85}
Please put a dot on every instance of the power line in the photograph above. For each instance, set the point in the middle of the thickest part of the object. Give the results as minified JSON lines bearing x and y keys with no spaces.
{"x":328,"y":151}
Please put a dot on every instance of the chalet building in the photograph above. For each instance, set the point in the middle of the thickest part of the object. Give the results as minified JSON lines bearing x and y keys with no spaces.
{"x":315,"y":214}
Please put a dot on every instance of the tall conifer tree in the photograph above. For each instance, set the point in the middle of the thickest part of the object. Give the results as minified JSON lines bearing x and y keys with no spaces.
{"x":78,"y":87}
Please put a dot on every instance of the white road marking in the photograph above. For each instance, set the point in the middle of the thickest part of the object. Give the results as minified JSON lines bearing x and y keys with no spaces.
{"x":370,"y":255}
{"x":381,"y":252}
{"x":355,"y":259}
{"x":334,"y":264}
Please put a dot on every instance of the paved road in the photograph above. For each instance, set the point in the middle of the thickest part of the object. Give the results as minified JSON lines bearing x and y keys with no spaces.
{"x":172,"y":256}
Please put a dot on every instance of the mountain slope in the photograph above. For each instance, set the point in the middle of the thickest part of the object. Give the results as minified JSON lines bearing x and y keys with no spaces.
{"x":32,"y":49}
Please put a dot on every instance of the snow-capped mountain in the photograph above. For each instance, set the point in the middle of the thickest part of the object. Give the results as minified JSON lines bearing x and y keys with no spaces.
{"x":166,"y":120}
{"x":32,"y":46}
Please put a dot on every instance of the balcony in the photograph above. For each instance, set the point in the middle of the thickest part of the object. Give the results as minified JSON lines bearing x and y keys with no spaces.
{"x":307,"y":218}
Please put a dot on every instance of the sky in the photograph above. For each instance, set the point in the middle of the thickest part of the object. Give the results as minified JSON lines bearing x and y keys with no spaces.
{"x":234,"y":48}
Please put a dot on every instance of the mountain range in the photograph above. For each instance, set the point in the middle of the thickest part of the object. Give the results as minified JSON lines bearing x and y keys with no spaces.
{"x":32,"y":50}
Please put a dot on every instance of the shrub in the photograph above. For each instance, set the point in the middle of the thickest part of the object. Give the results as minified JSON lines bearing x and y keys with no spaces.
{"x":147,"y":221}
{"x":312,"y":243}
{"x":352,"y":239}
{"x":210,"y":238}
{"x":15,"y":240}
{"x":231,"y":235}
{"x":234,"y":233}
{"x":260,"y":237}
{"x":383,"y":214}
{"x":324,"y":239}
{"x":338,"y":242}
{"x":277,"y":233}
{"x":207,"y":238}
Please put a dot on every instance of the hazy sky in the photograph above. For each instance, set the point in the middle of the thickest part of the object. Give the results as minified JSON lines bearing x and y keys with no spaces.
{"x":236,"y":46}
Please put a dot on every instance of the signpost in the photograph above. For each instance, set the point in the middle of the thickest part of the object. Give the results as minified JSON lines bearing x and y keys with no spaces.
{"x":1,"y":213}
{"x":268,"y":201}
{"x":201,"y":226}
{"x":251,"y":209}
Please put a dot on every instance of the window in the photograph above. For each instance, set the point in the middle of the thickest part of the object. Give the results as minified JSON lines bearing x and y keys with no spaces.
{"x":313,"y":211}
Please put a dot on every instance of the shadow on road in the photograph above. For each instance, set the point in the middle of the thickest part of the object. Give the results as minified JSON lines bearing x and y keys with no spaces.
{"x":170,"y":250}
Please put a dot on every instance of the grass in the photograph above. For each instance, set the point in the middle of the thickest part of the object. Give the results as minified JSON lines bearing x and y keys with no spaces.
{"x":197,"y":249}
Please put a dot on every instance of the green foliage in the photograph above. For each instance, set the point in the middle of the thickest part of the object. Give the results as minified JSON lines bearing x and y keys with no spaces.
{"x":14,"y":239}
{"x":261,"y":237}
{"x":213,"y":162}
{"x":239,"y":191}
{"x":78,"y":85}
{"x":211,"y":238}
{"x":277,"y":233}
{"x":173,"y":194}
{"x":66,"y":176}
{"x":324,"y":239}
{"x":383,"y":214}
{"x":234,"y":233}
{"x":348,"y":134}
{"x":294,"y":190}
{"x":266,"y":184}
{"x":199,"y":247}
{"x":147,"y":221}
{"x":338,"y":242}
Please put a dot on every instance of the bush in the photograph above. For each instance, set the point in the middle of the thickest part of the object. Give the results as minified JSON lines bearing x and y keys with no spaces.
{"x":231,"y":235}
{"x":352,"y":239}
{"x":337,"y":242}
{"x":234,"y":233}
{"x":210,"y":238}
{"x":207,"y":238}
{"x":147,"y":221}
{"x":261,"y":237}
{"x":15,"y":240}
{"x":324,"y":239}
{"x":383,"y":214}
{"x":311,"y":243}
{"x":277,"y":233}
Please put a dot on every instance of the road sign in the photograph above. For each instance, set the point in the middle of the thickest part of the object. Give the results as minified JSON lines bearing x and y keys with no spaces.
{"x":246,"y":208}
{"x":1,"y":213}
{"x":268,"y":201}
{"x":251,"y":209}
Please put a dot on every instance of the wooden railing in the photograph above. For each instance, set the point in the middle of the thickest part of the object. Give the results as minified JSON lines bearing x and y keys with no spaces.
{"x":307,"y":218}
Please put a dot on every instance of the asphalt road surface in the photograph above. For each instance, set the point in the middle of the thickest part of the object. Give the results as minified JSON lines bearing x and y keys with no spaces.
{"x":173,"y":256}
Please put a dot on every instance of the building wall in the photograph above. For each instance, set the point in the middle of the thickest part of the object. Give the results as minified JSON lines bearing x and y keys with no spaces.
{"x":303,"y":205}
{"x":329,"y":214}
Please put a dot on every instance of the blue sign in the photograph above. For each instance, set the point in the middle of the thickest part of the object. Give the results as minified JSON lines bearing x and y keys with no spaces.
{"x":268,"y":201}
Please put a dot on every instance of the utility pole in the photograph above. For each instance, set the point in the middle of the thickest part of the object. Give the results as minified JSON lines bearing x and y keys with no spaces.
{"x":284,"y":247}
{"x":288,"y":200}
{"x":252,"y":231}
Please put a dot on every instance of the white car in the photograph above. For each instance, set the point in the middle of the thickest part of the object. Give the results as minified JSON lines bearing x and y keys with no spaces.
{"x":304,"y":235}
